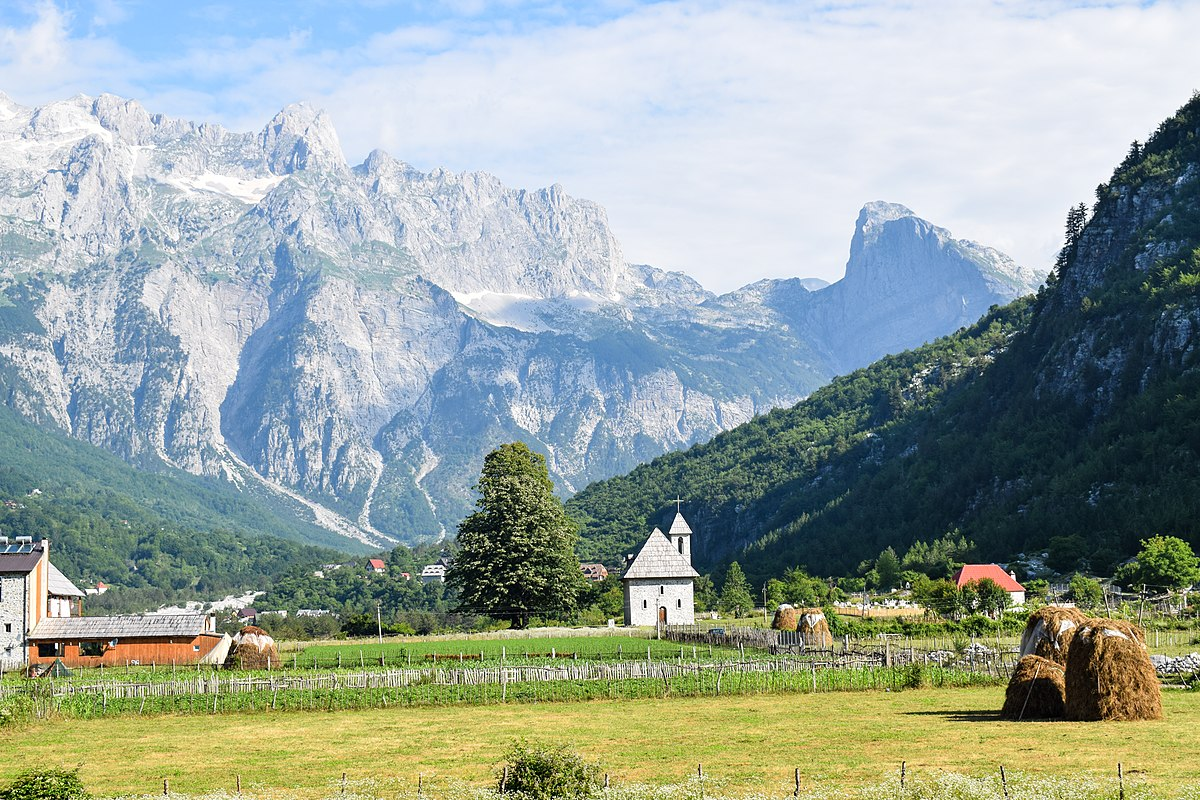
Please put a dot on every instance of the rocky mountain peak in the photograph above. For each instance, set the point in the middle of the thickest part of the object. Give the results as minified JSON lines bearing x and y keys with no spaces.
{"x":301,"y":137}
{"x":127,"y":119}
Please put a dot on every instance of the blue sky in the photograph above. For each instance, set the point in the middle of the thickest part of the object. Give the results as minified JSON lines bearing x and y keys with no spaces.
{"x":730,"y":139}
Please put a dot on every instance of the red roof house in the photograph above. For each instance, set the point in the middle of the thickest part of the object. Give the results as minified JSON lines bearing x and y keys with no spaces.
{"x":376,"y":564}
{"x":993,"y":572}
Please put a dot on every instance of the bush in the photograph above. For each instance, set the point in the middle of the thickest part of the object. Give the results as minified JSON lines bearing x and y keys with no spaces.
{"x":541,"y":773}
{"x":46,"y":784}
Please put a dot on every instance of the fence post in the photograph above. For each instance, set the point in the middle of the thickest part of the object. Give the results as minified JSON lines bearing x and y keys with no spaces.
{"x":796,"y":793}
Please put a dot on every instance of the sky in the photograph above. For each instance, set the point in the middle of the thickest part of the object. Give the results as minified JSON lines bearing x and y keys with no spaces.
{"x":729,"y":139}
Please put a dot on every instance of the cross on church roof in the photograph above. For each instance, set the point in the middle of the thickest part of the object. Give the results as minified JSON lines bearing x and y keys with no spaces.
{"x":678,"y":505}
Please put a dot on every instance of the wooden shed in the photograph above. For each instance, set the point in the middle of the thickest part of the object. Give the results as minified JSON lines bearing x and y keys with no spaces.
{"x":121,"y":640}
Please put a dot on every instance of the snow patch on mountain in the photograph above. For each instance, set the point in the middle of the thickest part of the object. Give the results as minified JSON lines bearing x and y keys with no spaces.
{"x":247,"y":190}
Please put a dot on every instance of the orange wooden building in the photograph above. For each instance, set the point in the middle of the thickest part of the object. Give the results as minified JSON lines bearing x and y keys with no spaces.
{"x":161,"y":639}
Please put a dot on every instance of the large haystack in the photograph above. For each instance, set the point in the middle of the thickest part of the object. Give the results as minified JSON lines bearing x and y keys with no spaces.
{"x":786,"y":618}
{"x":1048,"y":632}
{"x":1109,"y":674}
{"x":1037,"y":690}
{"x":813,"y":629}
{"x":252,"y":648}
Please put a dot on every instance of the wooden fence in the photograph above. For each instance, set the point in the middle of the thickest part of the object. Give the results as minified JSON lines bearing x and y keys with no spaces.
{"x":215,"y":683}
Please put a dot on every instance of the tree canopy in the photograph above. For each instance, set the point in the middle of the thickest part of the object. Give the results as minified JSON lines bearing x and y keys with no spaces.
{"x":1164,"y":562}
{"x":516,"y":557}
{"x":735,"y":592}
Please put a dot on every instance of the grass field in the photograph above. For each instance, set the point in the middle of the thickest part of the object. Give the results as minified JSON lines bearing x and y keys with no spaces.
{"x":749,"y":742}
{"x":414,"y":651}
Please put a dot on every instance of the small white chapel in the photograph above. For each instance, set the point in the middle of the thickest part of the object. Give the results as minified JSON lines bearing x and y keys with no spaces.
{"x":658,"y":580}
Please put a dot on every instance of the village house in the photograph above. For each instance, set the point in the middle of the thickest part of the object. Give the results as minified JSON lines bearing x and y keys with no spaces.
{"x":433,"y":572}
{"x":376,"y":565}
{"x":658,"y":580}
{"x":121,"y":640}
{"x":1005,"y":580}
{"x":31,"y":590}
{"x":41,"y":620}
{"x":594,"y":572}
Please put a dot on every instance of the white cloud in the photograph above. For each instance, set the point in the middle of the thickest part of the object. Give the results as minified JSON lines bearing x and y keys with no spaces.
{"x":733,"y":140}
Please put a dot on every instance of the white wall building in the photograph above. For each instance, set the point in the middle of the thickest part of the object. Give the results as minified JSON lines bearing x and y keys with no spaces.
{"x":658,"y":581}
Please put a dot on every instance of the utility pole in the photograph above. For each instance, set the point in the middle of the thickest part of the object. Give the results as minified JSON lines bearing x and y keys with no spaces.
{"x":379,"y":620}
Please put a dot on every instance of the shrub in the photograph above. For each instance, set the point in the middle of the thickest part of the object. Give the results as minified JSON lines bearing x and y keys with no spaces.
{"x":46,"y":784}
{"x":538,"y":772}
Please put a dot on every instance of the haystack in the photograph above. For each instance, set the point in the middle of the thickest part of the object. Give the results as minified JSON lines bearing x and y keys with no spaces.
{"x":813,"y":629}
{"x":786,"y":618}
{"x":1048,"y":632}
{"x":252,"y":648}
{"x":1109,"y":674}
{"x":1037,"y":690}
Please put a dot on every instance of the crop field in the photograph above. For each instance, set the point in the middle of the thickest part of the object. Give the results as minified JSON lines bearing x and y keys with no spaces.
{"x":747,"y":743}
{"x":217,"y":692}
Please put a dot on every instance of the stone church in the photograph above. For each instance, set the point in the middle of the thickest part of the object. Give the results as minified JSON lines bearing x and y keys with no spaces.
{"x":658,"y":580}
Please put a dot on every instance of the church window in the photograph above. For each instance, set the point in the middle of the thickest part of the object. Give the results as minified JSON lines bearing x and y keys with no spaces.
{"x":681,"y":545}
{"x":662,"y":590}
{"x":644,"y":604}
{"x":679,"y":603}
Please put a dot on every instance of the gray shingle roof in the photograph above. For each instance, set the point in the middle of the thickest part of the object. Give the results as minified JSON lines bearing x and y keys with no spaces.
{"x":658,"y":558}
{"x":679,"y":526}
{"x":61,"y":586}
{"x":130,"y":626}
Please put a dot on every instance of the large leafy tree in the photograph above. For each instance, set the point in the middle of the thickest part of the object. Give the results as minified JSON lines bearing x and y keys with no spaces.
{"x":1165,"y":562}
{"x":735,"y":592}
{"x":516,"y":557}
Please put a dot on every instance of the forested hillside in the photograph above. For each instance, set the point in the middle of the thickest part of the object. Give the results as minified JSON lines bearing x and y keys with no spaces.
{"x":1070,"y":421}
{"x":162,"y":537}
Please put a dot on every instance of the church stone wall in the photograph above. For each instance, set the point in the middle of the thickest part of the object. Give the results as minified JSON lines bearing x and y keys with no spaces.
{"x":644,"y":597}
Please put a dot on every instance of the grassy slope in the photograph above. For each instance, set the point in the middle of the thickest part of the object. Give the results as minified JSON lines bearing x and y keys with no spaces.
{"x":750,"y":742}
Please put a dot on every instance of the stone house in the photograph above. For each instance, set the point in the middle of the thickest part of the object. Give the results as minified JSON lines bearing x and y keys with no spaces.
{"x":658,"y":581}
{"x":31,"y":590}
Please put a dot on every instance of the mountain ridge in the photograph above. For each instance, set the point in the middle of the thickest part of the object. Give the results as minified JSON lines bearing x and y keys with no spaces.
{"x":356,"y":337}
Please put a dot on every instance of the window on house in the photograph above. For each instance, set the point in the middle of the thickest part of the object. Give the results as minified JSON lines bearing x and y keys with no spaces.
{"x":91,"y":648}
{"x":49,"y":649}
{"x":644,"y":604}
{"x":662,"y":590}
{"x":679,"y":604}
{"x":8,"y":627}
{"x":195,"y":648}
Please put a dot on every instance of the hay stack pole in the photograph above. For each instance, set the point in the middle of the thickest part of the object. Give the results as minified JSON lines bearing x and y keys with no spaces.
{"x":813,"y":628}
{"x":252,"y":648}
{"x":1037,"y":690}
{"x":1109,"y":674}
{"x":1048,"y":632}
{"x":786,"y":618}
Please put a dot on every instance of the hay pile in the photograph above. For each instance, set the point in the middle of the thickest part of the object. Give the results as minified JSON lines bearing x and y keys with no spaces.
{"x":1037,"y":690}
{"x":1048,"y":632}
{"x":786,"y":618}
{"x":252,"y":648}
{"x":1109,"y":674}
{"x":813,"y":629}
